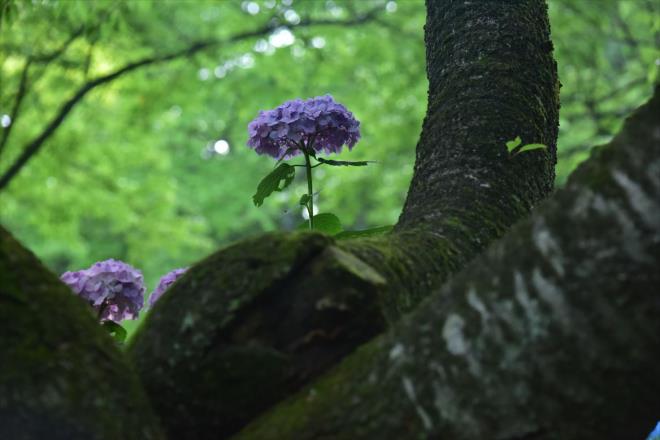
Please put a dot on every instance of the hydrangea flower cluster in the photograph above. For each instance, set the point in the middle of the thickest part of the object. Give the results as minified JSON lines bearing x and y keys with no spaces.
{"x":113,"y":288}
{"x":165,"y":282}
{"x":319,"y":123}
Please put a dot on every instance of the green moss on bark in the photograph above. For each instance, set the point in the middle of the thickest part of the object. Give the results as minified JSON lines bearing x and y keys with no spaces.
{"x":280,"y":309}
{"x":61,"y":375}
{"x":209,"y":352}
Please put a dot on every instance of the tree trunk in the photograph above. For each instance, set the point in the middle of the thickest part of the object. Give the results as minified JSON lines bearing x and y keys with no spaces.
{"x":256,"y":321}
{"x":551,"y":334}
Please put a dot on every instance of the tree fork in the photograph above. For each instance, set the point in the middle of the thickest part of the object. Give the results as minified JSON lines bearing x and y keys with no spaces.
{"x":256,"y":321}
{"x":551,"y":334}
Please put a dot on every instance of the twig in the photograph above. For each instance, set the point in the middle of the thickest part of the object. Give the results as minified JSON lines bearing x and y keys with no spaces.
{"x":20,"y":94}
{"x":48,"y":57}
{"x":22,"y":86}
{"x":33,"y":147}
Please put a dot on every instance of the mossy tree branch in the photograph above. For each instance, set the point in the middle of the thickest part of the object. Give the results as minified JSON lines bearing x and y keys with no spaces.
{"x":256,"y":321}
{"x":61,"y":376}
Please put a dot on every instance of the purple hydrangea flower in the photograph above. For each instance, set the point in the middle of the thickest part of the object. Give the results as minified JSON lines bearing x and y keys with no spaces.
{"x":165,"y":282}
{"x":318,"y":123}
{"x":113,"y":288}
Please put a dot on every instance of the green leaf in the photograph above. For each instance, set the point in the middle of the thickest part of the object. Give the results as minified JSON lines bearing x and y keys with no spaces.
{"x":344,"y":163}
{"x":326,"y":223}
{"x":530,"y":147}
{"x":277,"y":180}
{"x":511,"y":145}
{"x":381,"y":230}
{"x":304,"y":199}
{"x":116,"y":331}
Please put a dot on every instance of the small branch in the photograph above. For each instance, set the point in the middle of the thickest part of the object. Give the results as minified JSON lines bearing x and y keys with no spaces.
{"x":599,"y":117}
{"x":32,"y":147}
{"x":22,"y":87}
{"x":629,"y":38}
{"x":48,"y":57}
{"x":20,"y":94}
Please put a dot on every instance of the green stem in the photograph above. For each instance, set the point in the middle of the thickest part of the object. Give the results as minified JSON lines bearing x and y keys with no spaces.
{"x":104,"y":305}
{"x":310,"y":190}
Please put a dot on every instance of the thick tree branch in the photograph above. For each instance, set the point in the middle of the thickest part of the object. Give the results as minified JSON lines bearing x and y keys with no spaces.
{"x":33,"y":147}
{"x":56,"y":362}
{"x":305,"y":301}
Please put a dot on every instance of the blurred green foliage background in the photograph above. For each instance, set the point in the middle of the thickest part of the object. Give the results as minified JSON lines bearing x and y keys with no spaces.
{"x":136,"y":171}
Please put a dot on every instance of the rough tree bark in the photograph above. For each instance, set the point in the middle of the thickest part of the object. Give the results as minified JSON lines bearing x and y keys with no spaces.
{"x":551,"y":334}
{"x":258,"y":320}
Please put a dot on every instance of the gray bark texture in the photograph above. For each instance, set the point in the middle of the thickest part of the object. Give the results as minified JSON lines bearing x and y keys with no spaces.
{"x":61,"y":376}
{"x":256,"y":321}
{"x":553,"y":333}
